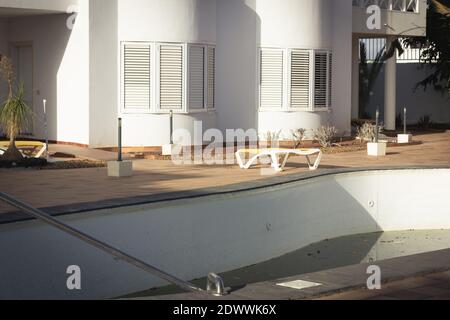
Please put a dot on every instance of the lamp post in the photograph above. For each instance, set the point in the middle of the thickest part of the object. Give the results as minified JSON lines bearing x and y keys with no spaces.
{"x":119,"y":149}
{"x":44,"y":102}
{"x":120,"y":168}
{"x":377,"y":124}
{"x":405,"y":137}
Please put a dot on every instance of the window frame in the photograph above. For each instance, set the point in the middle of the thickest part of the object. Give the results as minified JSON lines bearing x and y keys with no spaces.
{"x":287,"y":60}
{"x":155,"y":75}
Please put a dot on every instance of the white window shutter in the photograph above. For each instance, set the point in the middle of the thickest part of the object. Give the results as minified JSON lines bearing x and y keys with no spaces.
{"x":330,"y":80}
{"x":320,"y":80}
{"x":271,"y":78}
{"x":211,"y":101}
{"x":196,"y":77}
{"x":171,"y":77}
{"x":300,"y":79}
{"x":136,"y":76}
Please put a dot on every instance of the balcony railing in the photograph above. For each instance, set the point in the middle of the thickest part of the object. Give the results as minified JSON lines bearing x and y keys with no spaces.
{"x":375,"y":45}
{"x":391,"y":5}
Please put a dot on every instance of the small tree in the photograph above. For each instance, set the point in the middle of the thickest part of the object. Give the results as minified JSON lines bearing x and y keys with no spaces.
{"x":15,"y":114}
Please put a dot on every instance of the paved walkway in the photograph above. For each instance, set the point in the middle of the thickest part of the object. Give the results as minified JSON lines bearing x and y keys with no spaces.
{"x":417,"y":277}
{"x":431,"y":287}
{"x":49,"y":188}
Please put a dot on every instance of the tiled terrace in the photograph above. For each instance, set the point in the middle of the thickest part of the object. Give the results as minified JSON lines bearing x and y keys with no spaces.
{"x":54,"y":188}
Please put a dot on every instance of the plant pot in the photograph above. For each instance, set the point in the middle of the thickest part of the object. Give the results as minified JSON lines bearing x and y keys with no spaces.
{"x":404,"y":138}
{"x":119,"y":169}
{"x":167,"y":149}
{"x":377,"y":149}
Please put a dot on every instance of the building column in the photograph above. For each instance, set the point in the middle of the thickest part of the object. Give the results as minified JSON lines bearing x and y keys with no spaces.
{"x":355,"y":77}
{"x":390,"y":89}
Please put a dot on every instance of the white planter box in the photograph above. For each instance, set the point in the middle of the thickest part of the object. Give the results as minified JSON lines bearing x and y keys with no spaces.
{"x":404,"y":138}
{"x":119,"y":169}
{"x":167,"y":149}
{"x":377,"y":149}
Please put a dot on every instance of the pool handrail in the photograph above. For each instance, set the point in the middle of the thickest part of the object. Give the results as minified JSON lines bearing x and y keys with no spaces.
{"x":46,"y":218}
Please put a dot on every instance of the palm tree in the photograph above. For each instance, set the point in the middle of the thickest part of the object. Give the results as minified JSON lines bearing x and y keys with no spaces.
{"x":15,"y":114}
{"x":435,"y":46}
{"x":369,"y":72}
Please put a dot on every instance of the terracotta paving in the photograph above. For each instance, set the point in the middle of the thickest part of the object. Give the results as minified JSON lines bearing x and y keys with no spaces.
{"x":50,"y":188}
{"x":430,"y":287}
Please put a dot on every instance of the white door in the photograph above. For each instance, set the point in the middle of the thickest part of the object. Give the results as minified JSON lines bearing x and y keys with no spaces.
{"x":23,"y":61}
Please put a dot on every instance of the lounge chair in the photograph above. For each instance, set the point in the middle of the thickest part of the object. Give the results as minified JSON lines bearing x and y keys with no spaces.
{"x":38,"y":146}
{"x":275,"y":154}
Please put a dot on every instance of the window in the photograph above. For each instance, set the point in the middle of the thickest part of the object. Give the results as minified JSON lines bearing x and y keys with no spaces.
{"x":171,"y":77}
{"x":271,"y":78}
{"x":300,"y":79}
{"x":196,"y":77}
{"x":320,"y":80}
{"x":294,"y":79}
{"x":137,"y":76}
{"x":211,"y":92}
{"x":163,"y":77}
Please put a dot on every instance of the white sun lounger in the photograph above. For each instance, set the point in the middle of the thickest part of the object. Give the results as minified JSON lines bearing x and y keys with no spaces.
{"x":39,"y":147}
{"x":275,"y":154}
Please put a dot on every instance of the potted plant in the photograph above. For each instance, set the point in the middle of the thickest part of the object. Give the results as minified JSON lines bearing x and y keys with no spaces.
{"x":15,"y":114}
{"x":377,"y":148}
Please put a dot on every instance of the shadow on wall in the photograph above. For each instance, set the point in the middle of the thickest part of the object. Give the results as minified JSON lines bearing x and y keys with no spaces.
{"x":219,"y":234}
{"x":419,"y":102}
{"x":48,"y":36}
{"x":238,"y":39}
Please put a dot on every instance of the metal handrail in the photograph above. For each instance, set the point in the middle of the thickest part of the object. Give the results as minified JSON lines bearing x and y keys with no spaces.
{"x":40,"y":215}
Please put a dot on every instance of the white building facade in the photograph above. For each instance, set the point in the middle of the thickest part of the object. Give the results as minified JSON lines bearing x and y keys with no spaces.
{"x":269,"y":65}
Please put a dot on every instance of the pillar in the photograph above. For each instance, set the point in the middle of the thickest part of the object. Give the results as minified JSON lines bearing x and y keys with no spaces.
{"x":390,"y":90}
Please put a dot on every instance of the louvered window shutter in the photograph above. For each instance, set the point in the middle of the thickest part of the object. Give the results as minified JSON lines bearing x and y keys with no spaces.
{"x":171,"y":77}
{"x":137,"y":76}
{"x":196,"y":77}
{"x":320,"y":80}
{"x":300,"y":79}
{"x":211,"y":77}
{"x":330,"y":80}
{"x":271,"y":81}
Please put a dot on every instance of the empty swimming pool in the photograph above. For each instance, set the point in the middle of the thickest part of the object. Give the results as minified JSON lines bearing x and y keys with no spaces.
{"x":225,"y":231}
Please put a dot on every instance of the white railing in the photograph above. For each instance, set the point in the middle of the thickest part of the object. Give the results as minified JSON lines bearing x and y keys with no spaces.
{"x":391,"y":5}
{"x":375,"y":45}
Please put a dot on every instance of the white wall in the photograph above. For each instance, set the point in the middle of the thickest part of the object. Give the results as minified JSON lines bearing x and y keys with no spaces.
{"x":342,"y":66}
{"x":46,"y":5}
{"x":103,"y":59}
{"x":73,"y":83}
{"x":393,"y":22}
{"x":167,"y":20}
{"x":238,"y":37}
{"x":190,"y":238}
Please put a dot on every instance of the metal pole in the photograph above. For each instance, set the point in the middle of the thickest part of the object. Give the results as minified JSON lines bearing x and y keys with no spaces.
{"x":119,"y":152}
{"x":171,"y":127}
{"x":38,"y":214}
{"x":404,"y":120}
{"x":377,"y":121}
{"x":47,"y":154}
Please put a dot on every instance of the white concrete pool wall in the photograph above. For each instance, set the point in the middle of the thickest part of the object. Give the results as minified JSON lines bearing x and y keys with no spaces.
{"x":190,"y":238}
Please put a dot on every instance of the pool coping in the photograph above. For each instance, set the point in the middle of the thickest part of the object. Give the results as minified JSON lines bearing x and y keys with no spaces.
{"x":333,"y":281}
{"x":272,"y":181}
